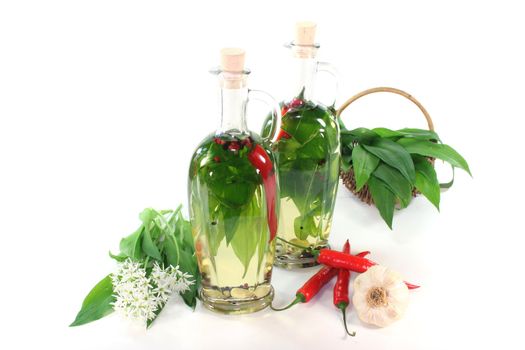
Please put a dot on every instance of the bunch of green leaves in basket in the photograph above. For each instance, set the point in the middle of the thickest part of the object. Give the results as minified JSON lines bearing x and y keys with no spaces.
{"x":154,"y":262}
{"x":396,"y":163}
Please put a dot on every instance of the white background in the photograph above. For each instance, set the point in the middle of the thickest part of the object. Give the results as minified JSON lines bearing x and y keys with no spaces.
{"x":102,"y":103}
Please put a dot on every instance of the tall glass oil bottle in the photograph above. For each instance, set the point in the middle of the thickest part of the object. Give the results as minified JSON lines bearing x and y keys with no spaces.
{"x":233,"y":200}
{"x":307,"y":150}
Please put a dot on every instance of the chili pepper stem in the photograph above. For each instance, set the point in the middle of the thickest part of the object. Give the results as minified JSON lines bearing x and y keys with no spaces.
{"x":298,"y":299}
{"x":343,"y":307}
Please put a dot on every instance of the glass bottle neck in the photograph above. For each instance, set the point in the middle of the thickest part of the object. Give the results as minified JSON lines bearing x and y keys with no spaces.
{"x":303,"y":77}
{"x":233,"y":110}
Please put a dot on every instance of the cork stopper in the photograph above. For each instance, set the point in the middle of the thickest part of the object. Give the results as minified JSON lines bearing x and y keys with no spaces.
{"x":233,"y":74}
{"x":305,"y":33}
{"x":232,"y":59}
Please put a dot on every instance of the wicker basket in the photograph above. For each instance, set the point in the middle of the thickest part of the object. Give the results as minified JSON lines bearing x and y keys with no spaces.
{"x":349,"y":177}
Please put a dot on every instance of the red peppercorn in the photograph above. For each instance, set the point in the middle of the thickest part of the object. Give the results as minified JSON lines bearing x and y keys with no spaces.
{"x":296,"y":103}
{"x":234,"y":146}
{"x":247,"y":142}
{"x":217,"y":159}
{"x":218,"y":141}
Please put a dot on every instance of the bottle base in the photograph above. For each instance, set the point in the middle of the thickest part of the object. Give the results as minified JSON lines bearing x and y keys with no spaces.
{"x":295,"y":260}
{"x":237,"y":306}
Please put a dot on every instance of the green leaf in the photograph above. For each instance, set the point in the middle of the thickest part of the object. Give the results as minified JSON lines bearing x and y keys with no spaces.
{"x":187,"y":263}
{"x":394,"y":155}
{"x":384,"y":199}
{"x":185,"y":232}
{"x":304,"y":226}
{"x":190,"y":296}
{"x":230,"y":217}
{"x":171,"y":250}
{"x":157,"y":312}
{"x":449,"y":184}
{"x":345,"y":162}
{"x":387,"y":133}
{"x":435,"y":150}
{"x":364,"y":164}
{"x":426,"y":181}
{"x":359,"y":135}
{"x":131,"y":245}
{"x":396,"y":182}
{"x":251,"y":224}
{"x":149,"y":247}
{"x":148,"y":215}
{"x":97,"y":304}
{"x":119,"y":257}
{"x":421,"y":134}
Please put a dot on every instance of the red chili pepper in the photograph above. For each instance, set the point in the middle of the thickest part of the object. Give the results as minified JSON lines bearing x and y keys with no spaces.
{"x":284,"y":110}
{"x":260,"y":160}
{"x":311,"y":287}
{"x":283,"y":134}
{"x":341,"y":299}
{"x":340,"y":260}
{"x":363,"y":254}
{"x":411,"y":286}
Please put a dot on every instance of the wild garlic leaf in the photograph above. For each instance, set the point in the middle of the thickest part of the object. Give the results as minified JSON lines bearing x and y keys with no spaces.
{"x":394,"y":155}
{"x":427,"y":182}
{"x":97,"y":304}
{"x":149,"y":247}
{"x":251,"y":223}
{"x":230,"y":219}
{"x":396,"y":182}
{"x":364,"y":164}
{"x":157,"y":312}
{"x":421,"y":134}
{"x":171,"y":250}
{"x":132,"y":245}
{"x":362,"y":136}
{"x":118,"y":257}
{"x":187,"y":264}
{"x":387,"y":133}
{"x":384,"y":199}
{"x":435,"y":150}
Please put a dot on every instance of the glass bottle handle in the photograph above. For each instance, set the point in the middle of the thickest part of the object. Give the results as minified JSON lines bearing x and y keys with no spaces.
{"x":331,"y":70}
{"x":267,"y":99}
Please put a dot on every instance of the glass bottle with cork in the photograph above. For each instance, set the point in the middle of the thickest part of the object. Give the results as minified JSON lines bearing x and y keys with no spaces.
{"x":233,"y":200}
{"x":308,"y":156}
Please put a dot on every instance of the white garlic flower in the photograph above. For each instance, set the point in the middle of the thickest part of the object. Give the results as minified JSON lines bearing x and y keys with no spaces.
{"x":167,"y":281}
{"x":380,"y":296}
{"x":133,"y":297}
{"x":139,"y":297}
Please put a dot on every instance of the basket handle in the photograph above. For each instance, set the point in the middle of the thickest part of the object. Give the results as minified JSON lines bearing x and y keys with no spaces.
{"x":391,"y":90}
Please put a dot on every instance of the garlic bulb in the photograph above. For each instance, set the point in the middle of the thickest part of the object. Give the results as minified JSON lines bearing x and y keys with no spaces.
{"x":380,"y":296}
